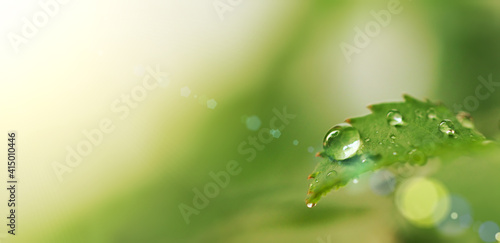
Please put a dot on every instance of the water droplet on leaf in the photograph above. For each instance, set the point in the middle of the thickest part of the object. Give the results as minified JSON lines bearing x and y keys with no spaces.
{"x":311,"y":205}
{"x":419,"y":113}
{"x":446,"y":126}
{"x":331,"y":173}
{"x":431,"y":114}
{"x":394,"y":118}
{"x":342,"y":142}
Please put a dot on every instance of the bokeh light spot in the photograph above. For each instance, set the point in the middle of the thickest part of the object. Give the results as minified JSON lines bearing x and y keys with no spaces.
{"x":488,"y":231}
{"x":383,"y":182}
{"x":276,"y":133}
{"x":423,"y":201}
{"x":253,"y":123}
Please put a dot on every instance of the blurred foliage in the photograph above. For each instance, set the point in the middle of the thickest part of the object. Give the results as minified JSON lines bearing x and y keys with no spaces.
{"x":265,"y":202}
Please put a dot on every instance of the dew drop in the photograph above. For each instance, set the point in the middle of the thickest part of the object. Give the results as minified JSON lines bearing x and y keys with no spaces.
{"x":342,"y":142}
{"x":394,"y":153}
{"x":465,"y":119}
{"x":419,"y":113}
{"x":311,"y":205}
{"x":394,"y":118}
{"x":446,"y":126}
{"x":355,"y":180}
{"x":367,"y":140}
{"x":431,"y":114}
{"x":364,"y":158}
{"x":417,"y":157}
{"x":331,"y":173}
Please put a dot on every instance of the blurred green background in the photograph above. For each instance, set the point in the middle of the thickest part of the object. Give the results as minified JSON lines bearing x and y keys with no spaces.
{"x":250,"y":57}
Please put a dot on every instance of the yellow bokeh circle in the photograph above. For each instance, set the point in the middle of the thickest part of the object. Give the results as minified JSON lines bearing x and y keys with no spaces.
{"x":423,"y":201}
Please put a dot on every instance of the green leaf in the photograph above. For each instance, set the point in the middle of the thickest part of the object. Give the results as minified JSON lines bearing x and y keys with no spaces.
{"x":426,"y":130}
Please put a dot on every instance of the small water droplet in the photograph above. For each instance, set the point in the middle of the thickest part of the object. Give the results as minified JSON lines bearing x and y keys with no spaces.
{"x":367,"y":140}
{"x":394,"y":118}
{"x":311,"y":205}
{"x":295,"y":142}
{"x":331,"y":173}
{"x":355,"y":180}
{"x":316,"y":180}
{"x":394,"y":153}
{"x":446,"y":126}
{"x":431,"y":114}
{"x":417,"y":157}
{"x":465,"y":119}
{"x":342,"y":142}
{"x":419,"y":113}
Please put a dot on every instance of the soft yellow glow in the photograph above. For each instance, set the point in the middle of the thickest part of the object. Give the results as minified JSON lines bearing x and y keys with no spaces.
{"x":423,"y":201}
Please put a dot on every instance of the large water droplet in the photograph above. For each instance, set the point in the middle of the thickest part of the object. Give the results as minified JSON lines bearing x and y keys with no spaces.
{"x":446,"y":126}
{"x":342,"y":142}
{"x":310,"y":205}
{"x":431,"y":114}
{"x":417,"y":157}
{"x":394,"y":118}
{"x":355,"y":180}
{"x":465,"y":119}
